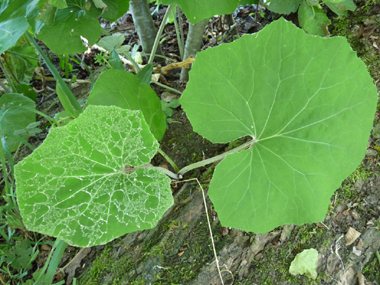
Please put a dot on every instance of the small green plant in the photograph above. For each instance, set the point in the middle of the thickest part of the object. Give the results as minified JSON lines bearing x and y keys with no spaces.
{"x":167,"y":108}
{"x":65,"y":65}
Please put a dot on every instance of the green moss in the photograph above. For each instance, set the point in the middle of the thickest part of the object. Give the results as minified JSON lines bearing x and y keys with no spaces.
{"x":275,"y":260}
{"x":105,"y":265}
{"x":371,"y":271}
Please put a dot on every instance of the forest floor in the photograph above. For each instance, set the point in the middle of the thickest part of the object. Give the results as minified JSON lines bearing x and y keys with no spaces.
{"x":179,"y":249}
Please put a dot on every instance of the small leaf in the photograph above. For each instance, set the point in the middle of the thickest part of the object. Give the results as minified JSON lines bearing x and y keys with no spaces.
{"x":174,"y":103}
{"x":47,"y":16}
{"x":64,"y":117}
{"x":115,"y":61}
{"x":60,"y":4}
{"x":65,"y":101}
{"x":15,"y":118}
{"x":342,"y":7}
{"x":306,"y":263}
{"x":313,"y":20}
{"x":145,"y":75}
{"x":125,"y":90}
{"x":313,"y":2}
{"x":196,"y":10}
{"x":110,"y":43}
{"x":284,"y":6}
{"x":99,"y":4}
{"x":31,"y":130}
{"x":75,"y":186}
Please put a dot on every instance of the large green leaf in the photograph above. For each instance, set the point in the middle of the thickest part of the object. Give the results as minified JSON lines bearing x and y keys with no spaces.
{"x":196,"y":11}
{"x":125,"y":90}
{"x":13,"y":117}
{"x":78,"y":185}
{"x":78,"y":20}
{"x":308,"y":101}
{"x":14,"y":17}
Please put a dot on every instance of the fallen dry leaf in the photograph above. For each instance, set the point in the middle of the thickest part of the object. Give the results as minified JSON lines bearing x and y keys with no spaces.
{"x":351,"y":236}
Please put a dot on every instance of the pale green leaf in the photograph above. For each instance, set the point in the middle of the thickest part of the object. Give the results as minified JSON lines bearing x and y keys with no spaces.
{"x":14,"y":16}
{"x":60,"y":4}
{"x":15,"y":118}
{"x":313,"y":2}
{"x":196,"y":10}
{"x":313,"y":20}
{"x":99,"y":4}
{"x":65,"y":101}
{"x":78,"y":185}
{"x":284,"y":6}
{"x":72,"y":23}
{"x":125,"y":90}
{"x":309,"y":101}
{"x":47,"y":15}
{"x":306,"y":263}
{"x":342,"y":7}
{"x":110,"y":43}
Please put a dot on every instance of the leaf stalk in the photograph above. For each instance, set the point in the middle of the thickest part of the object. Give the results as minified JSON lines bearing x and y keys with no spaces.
{"x":55,"y":73}
{"x":159,"y":33}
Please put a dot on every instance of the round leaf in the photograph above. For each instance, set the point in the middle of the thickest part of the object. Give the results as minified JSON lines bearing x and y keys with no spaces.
{"x":125,"y":90}
{"x":79,"y":186}
{"x":64,"y":36}
{"x":309,"y":101}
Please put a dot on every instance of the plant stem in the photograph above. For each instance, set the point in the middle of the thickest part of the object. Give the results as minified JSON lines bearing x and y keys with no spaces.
{"x":166,"y":87}
{"x":193,"y":43}
{"x":211,"y":235}
{"x":144,"y":24}
{"x":55,"y":73}
{"x":175,"y":167}
{"x":181,"y":29}
{"x":180,"y":47}
{"x":159,"y":33}
{"x":182,"y":171}
{"x":201,"y":163}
